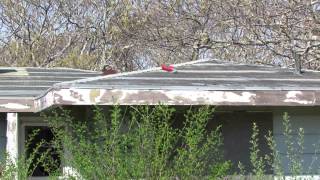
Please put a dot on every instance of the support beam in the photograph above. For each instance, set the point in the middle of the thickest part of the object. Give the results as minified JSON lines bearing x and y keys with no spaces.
{"x":12,"y":136}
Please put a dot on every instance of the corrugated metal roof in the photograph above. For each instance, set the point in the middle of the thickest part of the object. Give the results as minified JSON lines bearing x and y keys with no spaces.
{"x":202,"y":82}
{"x":32,"y":82}
{"x":207,"y":75}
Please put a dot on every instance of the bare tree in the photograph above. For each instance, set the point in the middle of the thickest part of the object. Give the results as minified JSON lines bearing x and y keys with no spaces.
{"x":135,"y":34}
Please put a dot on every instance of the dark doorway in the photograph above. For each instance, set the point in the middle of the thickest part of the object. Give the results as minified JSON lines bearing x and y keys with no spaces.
{"x":39,"y":145}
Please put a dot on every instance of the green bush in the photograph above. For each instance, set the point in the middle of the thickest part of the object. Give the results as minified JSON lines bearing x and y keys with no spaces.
{"x":24,"y":166}
{"x":140,"y":143}
{"x":148,"y":142}
{"x":294,"y":148}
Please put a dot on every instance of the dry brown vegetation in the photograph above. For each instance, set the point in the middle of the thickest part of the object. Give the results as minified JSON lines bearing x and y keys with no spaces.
{"x":135,"y":34}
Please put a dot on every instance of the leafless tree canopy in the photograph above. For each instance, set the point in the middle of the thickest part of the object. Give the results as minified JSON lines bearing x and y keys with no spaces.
{"x":135,"y":34}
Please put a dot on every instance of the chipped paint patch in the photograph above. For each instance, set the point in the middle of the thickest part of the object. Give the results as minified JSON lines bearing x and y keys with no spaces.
{"x":213,"y":96}
{"x":139,"y":97}
{"x":15,"y":106}
{"x":77,"y":96}
{"x":70,"y":95}
{"x":45,"y":102}
{"x":94,"y":93}
{"x":98,"y":98}
{"x":125,"y":94}
{"x":179,"y":97}
{"x":296,"y":97}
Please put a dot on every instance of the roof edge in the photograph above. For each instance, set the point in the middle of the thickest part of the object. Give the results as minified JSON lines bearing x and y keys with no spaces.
{"x":75,"y":96}
{"x":17,"y":105}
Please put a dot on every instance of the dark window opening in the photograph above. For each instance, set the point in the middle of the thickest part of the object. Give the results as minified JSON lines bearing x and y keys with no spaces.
{"x":39,"y":145}
{"x":236,"y":128}
{"x":3,"y":138}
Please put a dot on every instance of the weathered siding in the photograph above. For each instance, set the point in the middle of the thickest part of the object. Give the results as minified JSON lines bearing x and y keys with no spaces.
{"x":3,"y":130}
{"x":309,"y":120}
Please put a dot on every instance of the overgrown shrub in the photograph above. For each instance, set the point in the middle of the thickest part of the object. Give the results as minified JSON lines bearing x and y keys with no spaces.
{"x":24,"y":166}
{"x":140,"y":143}
{"x":145,"y":143}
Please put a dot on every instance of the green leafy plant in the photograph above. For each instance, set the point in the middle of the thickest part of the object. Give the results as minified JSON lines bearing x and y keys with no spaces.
{"x":140,"y":142}
{"x":145,"y":142}
{"x":24,"y":166}
{"x":294,"y":148}
{"x":256,"y":160}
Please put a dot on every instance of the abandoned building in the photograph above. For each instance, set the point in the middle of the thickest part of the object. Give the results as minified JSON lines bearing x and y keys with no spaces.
{"x":242,"y":93}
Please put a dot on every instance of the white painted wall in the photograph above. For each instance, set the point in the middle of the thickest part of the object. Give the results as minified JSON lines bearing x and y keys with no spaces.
{"x":309,"y":120}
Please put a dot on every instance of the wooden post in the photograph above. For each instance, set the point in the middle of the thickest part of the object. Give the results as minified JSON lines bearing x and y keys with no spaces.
{"x":12,"y":136}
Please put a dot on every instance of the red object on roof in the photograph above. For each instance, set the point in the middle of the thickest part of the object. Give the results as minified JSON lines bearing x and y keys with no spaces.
{"x":167,"y":68}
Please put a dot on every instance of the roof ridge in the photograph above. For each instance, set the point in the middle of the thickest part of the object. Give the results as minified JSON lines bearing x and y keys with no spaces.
{"x":66,"y":83}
